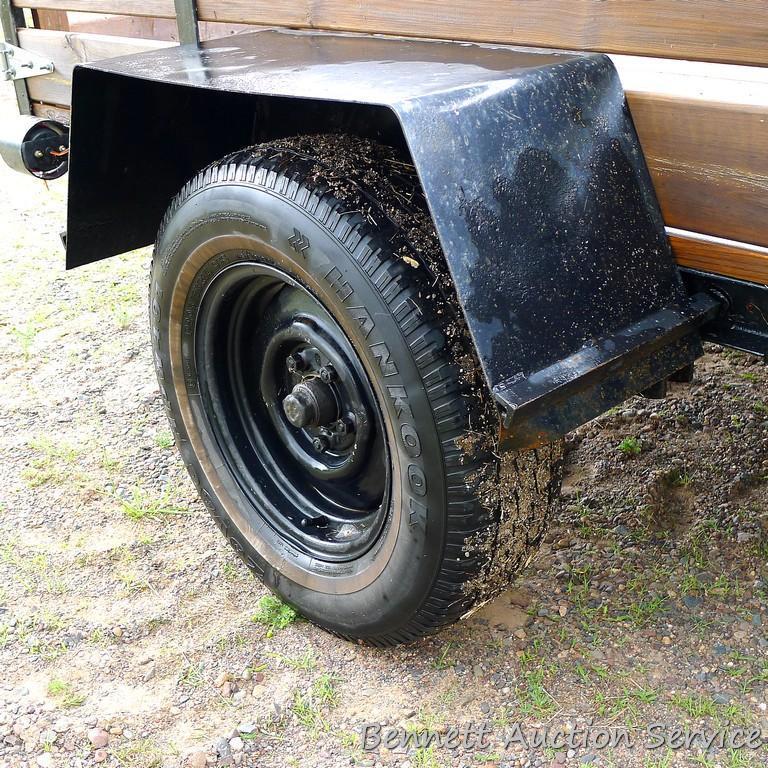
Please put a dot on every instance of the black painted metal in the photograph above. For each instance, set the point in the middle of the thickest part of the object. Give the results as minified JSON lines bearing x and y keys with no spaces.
{"x":330,"y":487}
{"x":744,"y":322}
{"x":529,"y":161}
{"x":550,"y":402}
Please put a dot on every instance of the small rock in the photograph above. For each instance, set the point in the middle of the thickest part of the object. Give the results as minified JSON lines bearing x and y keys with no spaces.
{"x":98,"y":737}
{"x":197,"y":760}
{"x":100,"y":755}
{"x":61,"y":725}
{"x":236,"y":744}
{"x":689,"y":601}
{"x":117,"y":631}
{"x":222,"y":747}
{"x":45,"y":760}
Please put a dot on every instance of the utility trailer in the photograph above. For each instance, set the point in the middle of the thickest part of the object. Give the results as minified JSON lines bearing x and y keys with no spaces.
{"x":401,"y":250}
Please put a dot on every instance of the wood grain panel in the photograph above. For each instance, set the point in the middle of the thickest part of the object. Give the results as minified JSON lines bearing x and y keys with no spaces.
{"x":738,"y":260}
{"x":162,"y":8}
{"x":709,"y":163}
{"x":69,"y":48}
{"x":51,"y":112}
{"x":709,"y":30}
{"x":51,"y":20}
{"x":708,"y":159}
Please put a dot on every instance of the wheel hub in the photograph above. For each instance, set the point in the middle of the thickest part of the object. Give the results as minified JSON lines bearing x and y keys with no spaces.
{"x":311,"y":403}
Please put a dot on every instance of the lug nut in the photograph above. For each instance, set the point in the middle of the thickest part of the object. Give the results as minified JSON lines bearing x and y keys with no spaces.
{"x":342,"y":427}
{"x":320,"y":444}
{"x":294,"y":363}
{"x":327,"y":374}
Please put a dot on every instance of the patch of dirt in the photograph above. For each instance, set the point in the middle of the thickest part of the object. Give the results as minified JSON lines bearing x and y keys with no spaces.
{"x":127,"y":636}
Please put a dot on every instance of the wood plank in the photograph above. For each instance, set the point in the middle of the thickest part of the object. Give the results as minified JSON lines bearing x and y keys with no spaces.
{"x":709,"y":160}
{"x":162,"y":8}
{"x":51,"y":112}
{"x":709,"y":163}
{"x":51,"y":20}
{"x":148,"y":27}
{"x":709,"y":30}
{"x":67,"y":49}
{"x":723,"y":257}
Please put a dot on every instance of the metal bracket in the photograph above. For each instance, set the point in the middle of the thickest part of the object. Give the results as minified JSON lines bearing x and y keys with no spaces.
{"x":186,"y":21}
{"x":17,"y":63}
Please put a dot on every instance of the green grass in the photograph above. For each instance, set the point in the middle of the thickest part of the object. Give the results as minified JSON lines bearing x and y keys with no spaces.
{"x":535,"y":700}
{"x":132,"y":583}
{"x":143,"y":506}
{"x":193,"y":676}
{"x":274,"y":614}
{"x":143,"y":753}
{"x":442,"y":661}
{"x":626,"y":704}
{"x":425,"y":757}
{"x":630,"y":446}
{"x":53,"y":464}
{"x":309,"y":707}
{"x":659,"y":762}
{"x":680,"y":478}
{"x":306,"y":661}
{"x":65,"y":693}
{"x":695,"y":706}
{"x":116,"y":299}
{"x":164,"y":440}
{"x":643,"y":612}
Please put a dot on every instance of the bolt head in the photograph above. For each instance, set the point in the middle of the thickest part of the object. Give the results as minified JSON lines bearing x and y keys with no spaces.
{"x":294,"y":363}
{"x":320,"y":444}
{"x":342,"y":427}
{"x":327,"y":374}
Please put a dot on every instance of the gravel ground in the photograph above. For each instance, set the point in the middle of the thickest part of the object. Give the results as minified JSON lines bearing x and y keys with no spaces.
{"x":130,"y":635}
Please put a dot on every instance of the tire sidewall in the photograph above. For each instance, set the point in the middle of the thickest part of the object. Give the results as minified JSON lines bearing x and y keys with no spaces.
{"x":387,"y":585}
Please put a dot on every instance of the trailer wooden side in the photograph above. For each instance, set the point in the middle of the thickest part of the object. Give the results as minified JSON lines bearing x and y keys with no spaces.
{"x":703,"y":124}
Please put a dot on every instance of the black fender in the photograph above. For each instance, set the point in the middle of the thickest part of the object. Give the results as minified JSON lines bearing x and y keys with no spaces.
{"x":529,"y":161}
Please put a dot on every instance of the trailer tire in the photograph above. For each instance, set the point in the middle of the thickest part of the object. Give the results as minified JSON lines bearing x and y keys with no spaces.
{"x":323,"y":392}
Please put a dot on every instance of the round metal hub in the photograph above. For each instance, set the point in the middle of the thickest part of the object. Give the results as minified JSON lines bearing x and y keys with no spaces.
{"x":311,"y":404}
{"x":292,"y":410}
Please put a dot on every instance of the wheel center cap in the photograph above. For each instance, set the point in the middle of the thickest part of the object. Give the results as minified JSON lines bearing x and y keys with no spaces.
{"x":311,"y":403}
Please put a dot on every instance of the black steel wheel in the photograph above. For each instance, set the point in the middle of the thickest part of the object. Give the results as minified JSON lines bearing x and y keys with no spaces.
{"x":292,"y":410}
{"x":322,"y":390}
